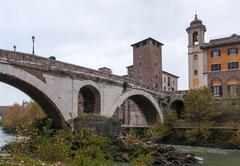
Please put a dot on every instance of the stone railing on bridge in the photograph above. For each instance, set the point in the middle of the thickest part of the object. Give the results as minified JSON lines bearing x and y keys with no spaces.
{"x":45,"y":64}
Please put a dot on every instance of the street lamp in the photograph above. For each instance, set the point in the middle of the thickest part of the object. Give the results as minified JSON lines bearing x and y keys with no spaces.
{"x":14,"y":48}
{"x":33,"y":40}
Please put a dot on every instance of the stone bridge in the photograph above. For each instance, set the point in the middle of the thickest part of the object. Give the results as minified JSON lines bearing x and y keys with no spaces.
{"x":63,"y":89}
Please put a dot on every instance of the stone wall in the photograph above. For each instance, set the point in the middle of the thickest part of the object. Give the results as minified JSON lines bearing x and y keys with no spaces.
{"x":99,"y":125}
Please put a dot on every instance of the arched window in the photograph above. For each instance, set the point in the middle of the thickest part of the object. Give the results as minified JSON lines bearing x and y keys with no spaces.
{"x":195,"y":38}
{"x":195,"y":57}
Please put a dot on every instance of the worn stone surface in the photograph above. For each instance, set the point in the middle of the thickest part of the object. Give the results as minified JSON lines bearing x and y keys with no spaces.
{"x":106,"y":127}
{"x":56,"y":85}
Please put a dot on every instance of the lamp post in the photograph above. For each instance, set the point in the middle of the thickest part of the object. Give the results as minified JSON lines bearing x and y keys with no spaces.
{"x":14,"y":48}
{"x":33,"y":40}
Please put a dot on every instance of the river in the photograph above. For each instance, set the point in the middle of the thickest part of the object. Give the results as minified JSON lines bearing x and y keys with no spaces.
{"x":5,"y":137}
{"x":214,"y":156}
{"x":211,"y":156}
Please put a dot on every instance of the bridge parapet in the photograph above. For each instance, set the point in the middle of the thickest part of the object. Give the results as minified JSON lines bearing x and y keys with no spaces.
{"x":45,"y":64}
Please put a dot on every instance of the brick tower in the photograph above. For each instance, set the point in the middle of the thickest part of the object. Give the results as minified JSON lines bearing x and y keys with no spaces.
{"x":147,"y":62}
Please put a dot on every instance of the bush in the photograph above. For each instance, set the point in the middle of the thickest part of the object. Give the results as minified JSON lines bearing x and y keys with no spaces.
{"x":19,"y":118}
{"x":198,"y":135}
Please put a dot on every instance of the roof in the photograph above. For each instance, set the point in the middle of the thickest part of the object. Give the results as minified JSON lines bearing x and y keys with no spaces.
{"x":146,"y":40}
{"x":195,"y":24}
{"x":233,"y":39}
{"x":129,"y":66}
{"x":196,"y":20}
{"x":170,"y":74}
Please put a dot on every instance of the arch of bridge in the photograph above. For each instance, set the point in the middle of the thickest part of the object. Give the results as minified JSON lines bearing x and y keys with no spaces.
{"x":138,"y":94}
{"x":34,"y":88}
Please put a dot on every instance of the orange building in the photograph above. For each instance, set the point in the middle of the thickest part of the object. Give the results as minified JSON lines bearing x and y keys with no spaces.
{"x":214,"y":64}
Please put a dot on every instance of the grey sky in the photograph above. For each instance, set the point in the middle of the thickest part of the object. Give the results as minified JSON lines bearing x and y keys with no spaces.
{"x":96,"y":33}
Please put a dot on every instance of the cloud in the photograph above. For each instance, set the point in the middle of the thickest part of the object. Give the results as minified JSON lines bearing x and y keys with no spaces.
{"x":97,"y":33}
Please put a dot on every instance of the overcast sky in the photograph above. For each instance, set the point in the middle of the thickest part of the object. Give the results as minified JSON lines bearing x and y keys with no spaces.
{"x":96,"y":33}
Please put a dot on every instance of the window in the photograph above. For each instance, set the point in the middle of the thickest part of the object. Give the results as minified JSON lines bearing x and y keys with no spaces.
{"x":168,"y":81}
{"x":195,"y":72}
{"x":232,"y":65}
{"x":216,"y":53}
{"x":172,"y":89}
{"x":140,"y":63}
{"x":164,"y":79}
{"x":217,"y":90}
{"x":232,"y":51}
{"x":173,"y":82}
{"x":156,"y":64}
{"x":232,"y":89}
{"x":156,"y":76}
{"x":144,"y":43}
{"x":164,"y":87}
{"x":156,"y":53}
{"x":216,"y":67}
{"x":195,"y":38}
{"x":195,"y":57}
{"x":153,"y":42}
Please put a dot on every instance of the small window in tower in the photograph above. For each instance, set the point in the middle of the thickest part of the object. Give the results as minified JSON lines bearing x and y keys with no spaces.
{"x":140,"y":63}
{"x":156,"y":76}
{"x":195,"y":57}
{"x":195,"y":38}
{"x":164,"y":87}
{"x":156,"y":64}
{"x":140,"y":78}
{"x":195,"y":72}
{"x":156,"y":85}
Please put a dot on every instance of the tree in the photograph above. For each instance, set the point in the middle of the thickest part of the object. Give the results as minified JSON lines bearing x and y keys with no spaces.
{"x":198,"y":104}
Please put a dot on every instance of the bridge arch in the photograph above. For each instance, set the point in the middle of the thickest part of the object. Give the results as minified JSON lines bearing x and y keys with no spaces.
{"x":178,"y":106}
{"x":89,"y":97}
{"x":34,"y":88}
{"x":147,"y":104}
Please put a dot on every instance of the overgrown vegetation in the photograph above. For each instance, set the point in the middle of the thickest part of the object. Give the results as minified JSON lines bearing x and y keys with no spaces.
{"x":19,"y":118}
{"x":42,"y":144}
{"x":206,"y":122}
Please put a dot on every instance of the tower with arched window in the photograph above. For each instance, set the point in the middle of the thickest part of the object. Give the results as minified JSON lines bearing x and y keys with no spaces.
{"x":196,"y":59}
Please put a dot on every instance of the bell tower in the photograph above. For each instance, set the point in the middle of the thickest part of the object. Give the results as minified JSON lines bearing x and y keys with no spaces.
{"x":197,"y":62}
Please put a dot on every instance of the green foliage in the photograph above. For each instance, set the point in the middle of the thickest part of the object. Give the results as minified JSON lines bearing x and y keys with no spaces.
{"x":164,"y":131}
{"x":142,"y":160}
{"x":19,"y":118}
{"x":52,"y":58}
{"x":198,"y":104}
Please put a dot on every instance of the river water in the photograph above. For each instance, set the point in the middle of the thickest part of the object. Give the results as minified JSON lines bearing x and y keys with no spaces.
{"x":211,"y":156}
{"x":5,"y":137}
{"x":214,"y":156}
